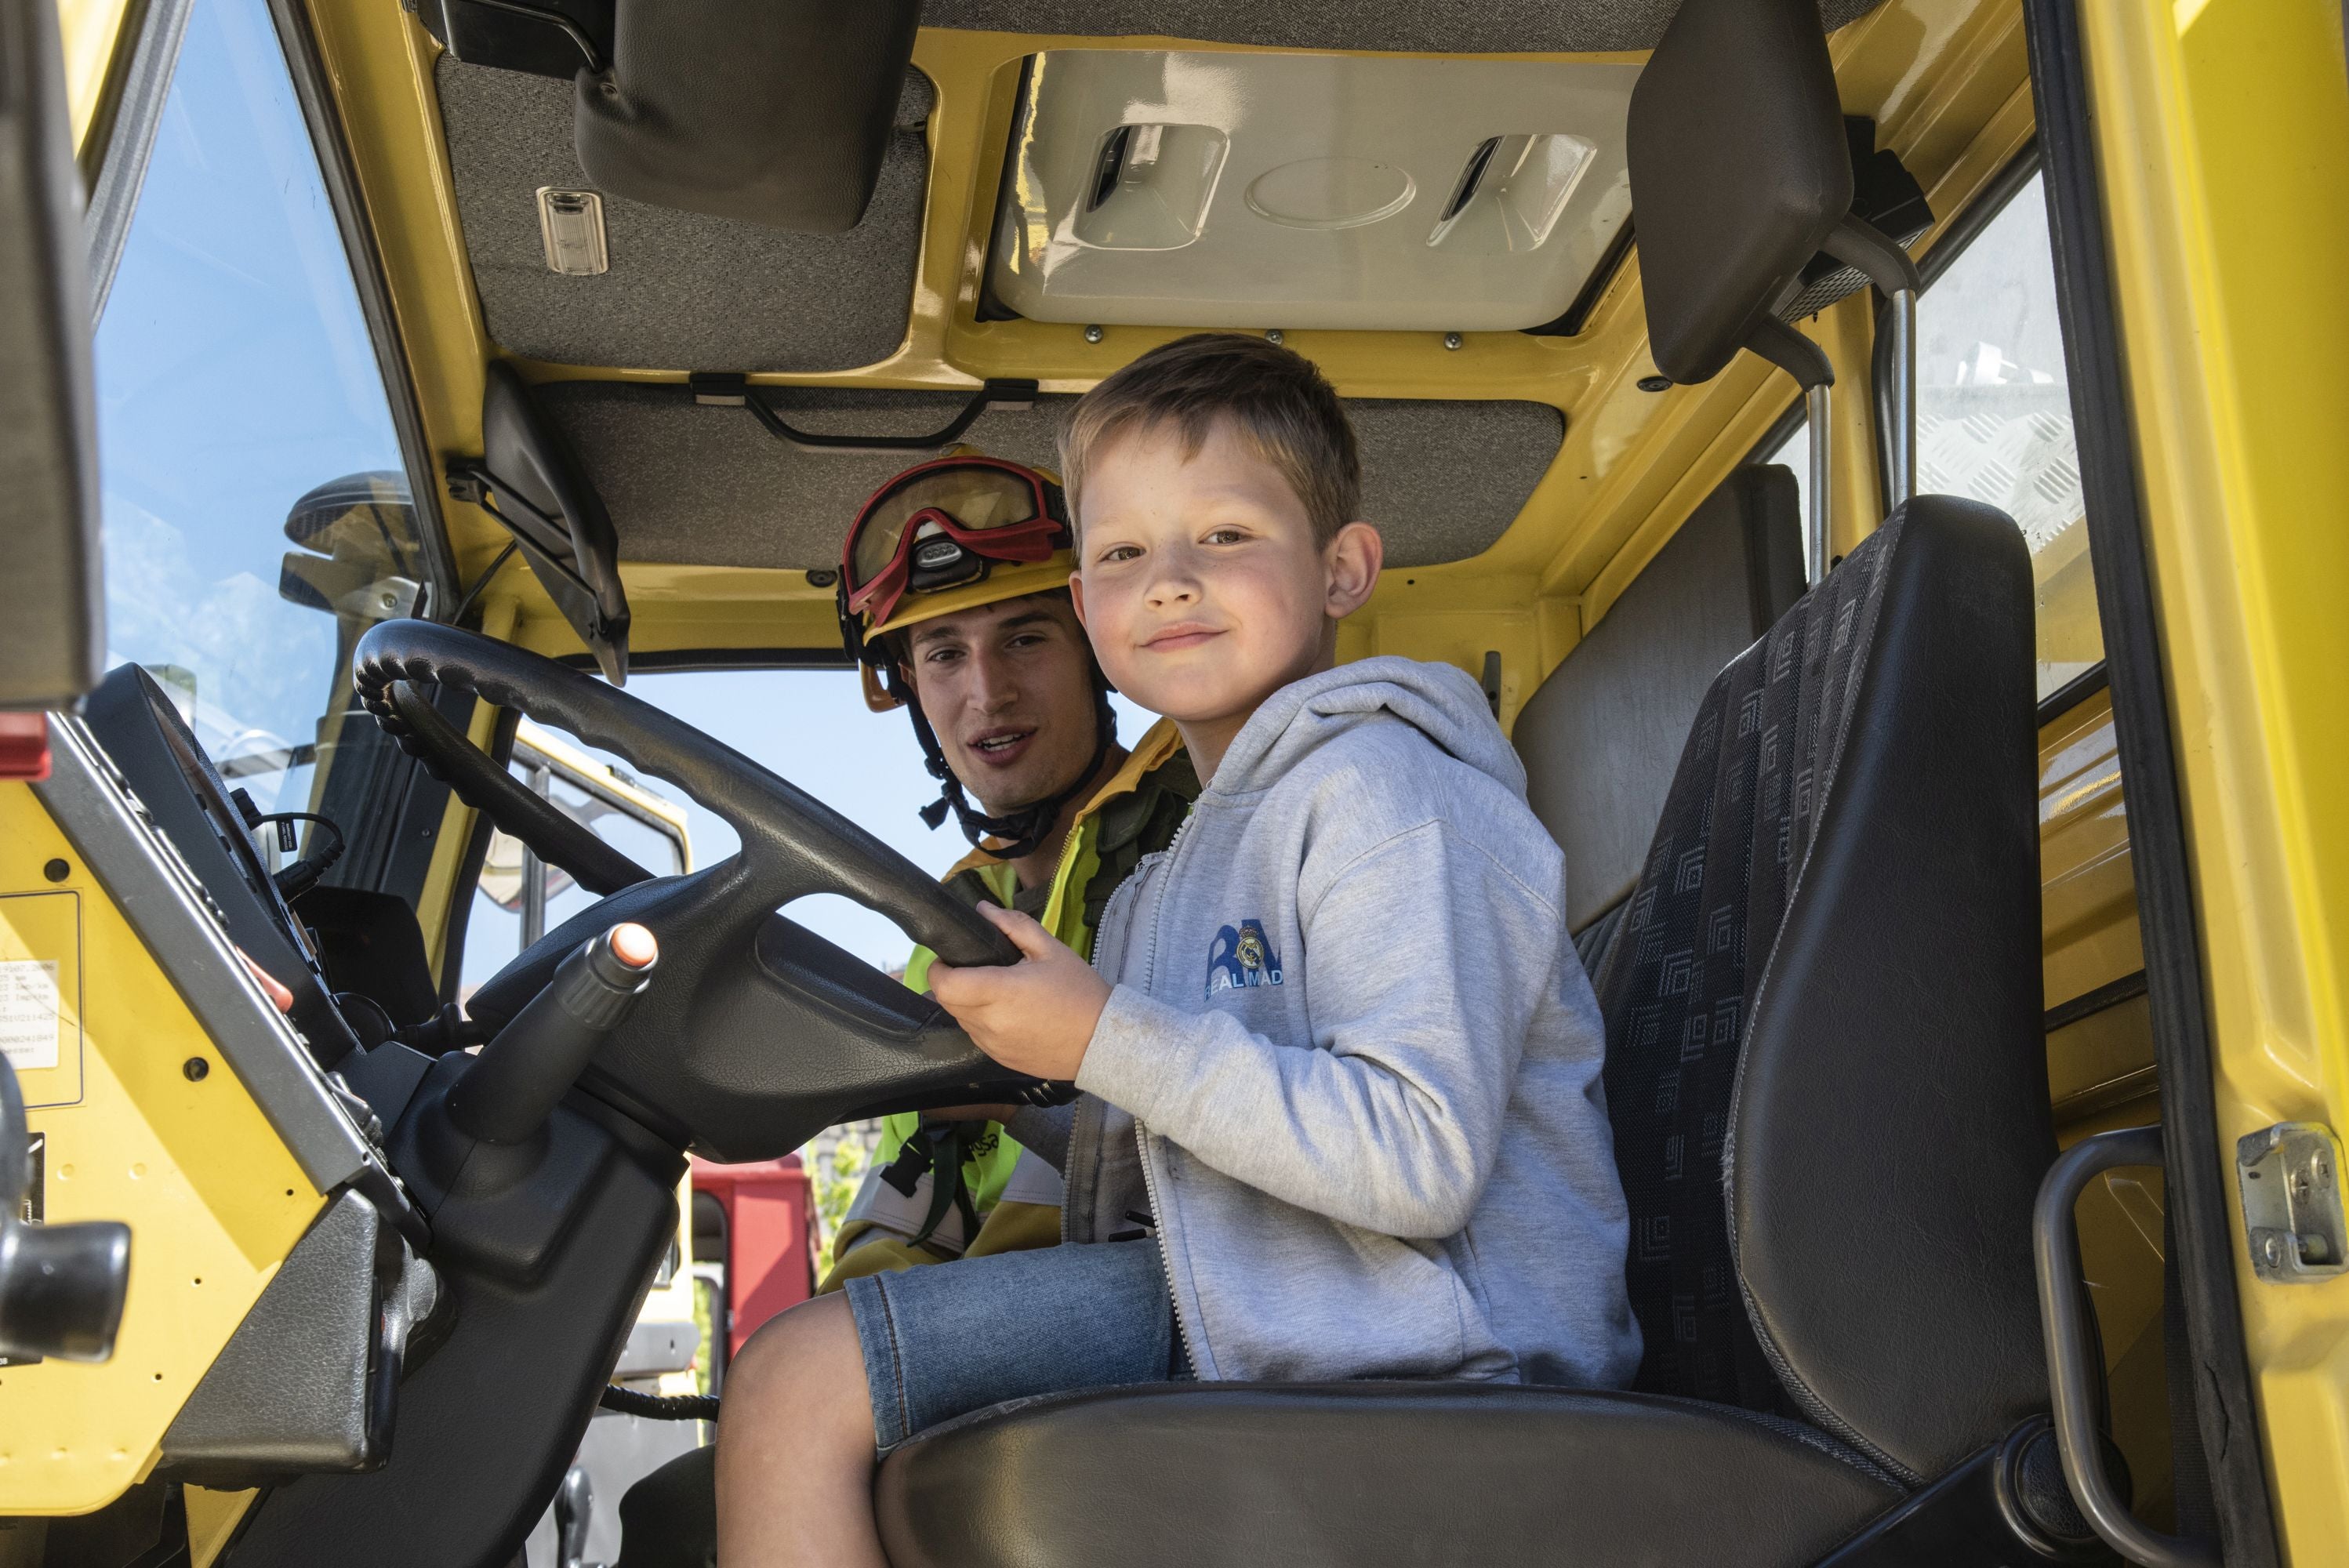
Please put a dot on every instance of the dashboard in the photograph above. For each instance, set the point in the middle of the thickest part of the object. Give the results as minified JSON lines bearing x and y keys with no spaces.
{"x":142,"y":733}
{"x":151,"y":816}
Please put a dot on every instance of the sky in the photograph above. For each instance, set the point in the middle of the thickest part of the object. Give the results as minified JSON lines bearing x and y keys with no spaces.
{"x":235,"y":372}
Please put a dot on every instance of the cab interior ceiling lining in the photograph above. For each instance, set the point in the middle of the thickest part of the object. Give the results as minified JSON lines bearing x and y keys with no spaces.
{"x":1494,"y":28}
{"x":682,"y":288}
{"x":701,"y":485}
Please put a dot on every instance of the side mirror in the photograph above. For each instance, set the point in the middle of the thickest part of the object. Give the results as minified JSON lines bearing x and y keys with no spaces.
{"x":52,"y":605}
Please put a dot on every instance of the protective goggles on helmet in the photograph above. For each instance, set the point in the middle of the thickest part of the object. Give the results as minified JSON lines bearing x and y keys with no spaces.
{"x":944,"y":523}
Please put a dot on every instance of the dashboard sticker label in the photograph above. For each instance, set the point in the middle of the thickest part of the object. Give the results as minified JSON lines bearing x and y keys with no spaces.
{"x":28,"y":1013}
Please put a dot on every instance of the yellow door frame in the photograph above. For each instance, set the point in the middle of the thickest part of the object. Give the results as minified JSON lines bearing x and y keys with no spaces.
{"x":2221,"y":140}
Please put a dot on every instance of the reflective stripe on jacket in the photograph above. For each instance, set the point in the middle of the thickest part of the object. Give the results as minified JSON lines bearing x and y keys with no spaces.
{"x":1118,"y":825}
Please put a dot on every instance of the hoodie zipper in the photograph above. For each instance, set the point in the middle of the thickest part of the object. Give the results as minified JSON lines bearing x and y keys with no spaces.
{"x":1158,"y":909}
{"x":1166,"y":1253}
{"x":1141,"y":1134}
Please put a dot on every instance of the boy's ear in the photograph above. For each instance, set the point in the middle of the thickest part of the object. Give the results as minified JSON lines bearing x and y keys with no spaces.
{"x":1352,"y":560}
{"x":1077,"y":595}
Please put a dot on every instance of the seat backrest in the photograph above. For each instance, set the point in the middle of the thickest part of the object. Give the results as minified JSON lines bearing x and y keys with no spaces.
{"x":1824,"y":1068}
{"x":1600,"y":736}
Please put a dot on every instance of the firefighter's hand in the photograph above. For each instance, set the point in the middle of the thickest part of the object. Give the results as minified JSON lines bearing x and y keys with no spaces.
{"x":1035,"y":1017}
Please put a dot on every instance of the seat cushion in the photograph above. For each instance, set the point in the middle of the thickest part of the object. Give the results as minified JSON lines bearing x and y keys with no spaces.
{"x":1364,"y":1474}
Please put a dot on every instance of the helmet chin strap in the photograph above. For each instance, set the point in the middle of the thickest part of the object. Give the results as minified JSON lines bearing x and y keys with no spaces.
{"x":1026,"y":828}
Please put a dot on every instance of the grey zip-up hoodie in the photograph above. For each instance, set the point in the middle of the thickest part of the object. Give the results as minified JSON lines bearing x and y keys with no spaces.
{"x":1349,"y":1067}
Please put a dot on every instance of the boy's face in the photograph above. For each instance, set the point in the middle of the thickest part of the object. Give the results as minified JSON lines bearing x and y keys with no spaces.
{"x":1199,"y":581}
{"x":1009,"y":689}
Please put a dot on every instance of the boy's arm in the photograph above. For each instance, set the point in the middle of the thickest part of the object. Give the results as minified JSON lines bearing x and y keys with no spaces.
{"x":1429,"y":960}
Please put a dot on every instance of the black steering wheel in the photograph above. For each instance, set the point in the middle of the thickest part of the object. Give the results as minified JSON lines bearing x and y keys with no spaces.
{"x":755,"y":1033}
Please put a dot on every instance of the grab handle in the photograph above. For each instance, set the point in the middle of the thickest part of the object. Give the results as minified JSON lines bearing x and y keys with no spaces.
{"x":732,"y":390}
{"x":2072,"y":1349}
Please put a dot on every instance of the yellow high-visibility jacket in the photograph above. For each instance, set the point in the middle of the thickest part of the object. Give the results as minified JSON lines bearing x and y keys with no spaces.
{"x":1135,"y":814}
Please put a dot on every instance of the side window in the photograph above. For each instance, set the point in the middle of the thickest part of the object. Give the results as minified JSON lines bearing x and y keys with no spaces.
{"x":256,"y":517}
{"x":1994,"y":417}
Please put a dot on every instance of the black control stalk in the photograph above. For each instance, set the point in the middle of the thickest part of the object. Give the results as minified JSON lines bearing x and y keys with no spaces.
{"x":61,"y":1286}
{"x":508,"y":1093}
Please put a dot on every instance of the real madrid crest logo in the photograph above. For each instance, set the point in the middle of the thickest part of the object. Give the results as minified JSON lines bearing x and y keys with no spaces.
{"x":1241,"y":956}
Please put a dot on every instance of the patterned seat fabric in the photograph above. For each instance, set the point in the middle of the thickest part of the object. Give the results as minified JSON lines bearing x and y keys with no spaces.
{"x":1677,"y":969}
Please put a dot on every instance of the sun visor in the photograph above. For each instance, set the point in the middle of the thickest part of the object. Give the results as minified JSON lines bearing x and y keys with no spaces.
{"x":530,"y":480}
{"x":777,"y":113}
{"x":1177,"y":188}
{"x":1741,"y":168}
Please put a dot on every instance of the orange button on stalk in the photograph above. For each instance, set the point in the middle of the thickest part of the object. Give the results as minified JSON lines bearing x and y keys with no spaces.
{"x":634,"y":945}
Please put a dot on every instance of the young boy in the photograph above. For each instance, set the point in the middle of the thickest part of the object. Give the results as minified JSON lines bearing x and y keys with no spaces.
{"x":1342,"y":1111}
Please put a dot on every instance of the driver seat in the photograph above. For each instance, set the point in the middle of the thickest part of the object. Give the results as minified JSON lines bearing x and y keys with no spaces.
{"x":1824,"y":1070}
{"x":1830,"y":1109}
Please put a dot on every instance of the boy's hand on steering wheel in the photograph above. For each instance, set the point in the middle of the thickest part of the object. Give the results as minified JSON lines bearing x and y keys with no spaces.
{"x":1035,"y":1017}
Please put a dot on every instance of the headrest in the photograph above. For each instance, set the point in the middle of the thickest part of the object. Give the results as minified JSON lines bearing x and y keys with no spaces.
{"x":776,"y":113}
{"x":537,"y":488}
{"x":1739,"y":172}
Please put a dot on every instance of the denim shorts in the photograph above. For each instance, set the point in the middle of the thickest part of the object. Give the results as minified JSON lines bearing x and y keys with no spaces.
{"x":950,"y":1339}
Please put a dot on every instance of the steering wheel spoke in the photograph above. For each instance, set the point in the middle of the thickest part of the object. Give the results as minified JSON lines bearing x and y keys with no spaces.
{"x":755,"y":1033}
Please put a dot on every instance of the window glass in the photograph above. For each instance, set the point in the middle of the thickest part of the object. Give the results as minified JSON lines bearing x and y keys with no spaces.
{"x":809,"y":727}
{"x":1994,"y":417}
{"x":603,"y":797}
{"x":256,"y":518}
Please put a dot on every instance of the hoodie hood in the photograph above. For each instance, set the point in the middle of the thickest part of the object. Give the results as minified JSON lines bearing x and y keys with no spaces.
{"x":1442,"y":702}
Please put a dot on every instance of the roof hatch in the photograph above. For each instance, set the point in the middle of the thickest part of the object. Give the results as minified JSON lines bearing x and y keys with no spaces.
{"x":1182,"y":188}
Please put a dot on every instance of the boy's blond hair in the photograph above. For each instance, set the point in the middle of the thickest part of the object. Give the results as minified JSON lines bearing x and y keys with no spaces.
{"x":1279,"y":404}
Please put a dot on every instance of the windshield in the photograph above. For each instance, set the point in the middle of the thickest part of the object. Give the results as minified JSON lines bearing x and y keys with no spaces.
{"x":809,"y":727}
{"x":256,"y":514}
